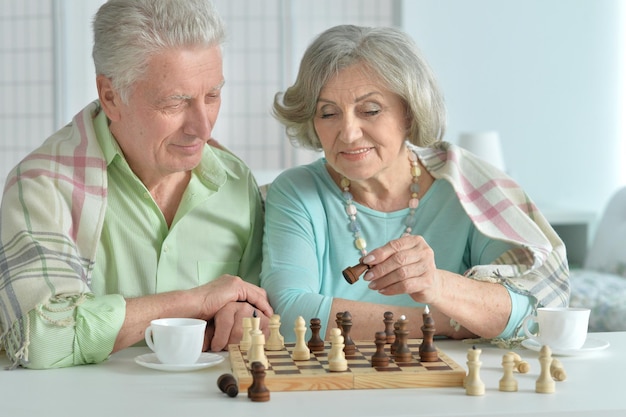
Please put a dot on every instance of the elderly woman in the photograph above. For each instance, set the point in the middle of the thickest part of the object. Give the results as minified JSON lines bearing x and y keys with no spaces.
{"x":433,"y":224}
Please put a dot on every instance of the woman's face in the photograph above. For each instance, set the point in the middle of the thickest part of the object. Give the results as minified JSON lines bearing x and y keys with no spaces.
{"x":361,"y":125}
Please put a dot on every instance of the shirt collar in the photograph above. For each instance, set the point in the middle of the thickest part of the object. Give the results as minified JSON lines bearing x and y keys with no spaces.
{"x":211,"y":171}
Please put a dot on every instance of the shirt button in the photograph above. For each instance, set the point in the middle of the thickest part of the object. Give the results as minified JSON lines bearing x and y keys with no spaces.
{"x":146,"y":195}
{"x":165,"y":248}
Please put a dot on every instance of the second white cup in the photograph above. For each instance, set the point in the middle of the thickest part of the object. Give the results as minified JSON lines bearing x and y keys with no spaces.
{"x":176,"y":341}
{"x":562,"y":328}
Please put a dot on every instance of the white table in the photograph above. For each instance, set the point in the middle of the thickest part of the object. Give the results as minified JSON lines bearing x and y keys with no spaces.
{"x":119,"y":387}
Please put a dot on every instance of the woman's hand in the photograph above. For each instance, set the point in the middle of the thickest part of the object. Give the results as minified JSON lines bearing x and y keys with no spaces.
{"x":405,"y":266}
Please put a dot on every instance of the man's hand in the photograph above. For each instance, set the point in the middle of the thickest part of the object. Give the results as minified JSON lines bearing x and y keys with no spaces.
{"x":226,"y":326}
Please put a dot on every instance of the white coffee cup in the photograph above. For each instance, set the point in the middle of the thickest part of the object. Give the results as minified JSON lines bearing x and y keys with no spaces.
{"x":176,"y":341}
{"x":561,"y":328}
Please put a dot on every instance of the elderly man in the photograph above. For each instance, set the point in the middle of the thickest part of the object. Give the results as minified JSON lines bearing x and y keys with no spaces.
{"x":127,"y":214}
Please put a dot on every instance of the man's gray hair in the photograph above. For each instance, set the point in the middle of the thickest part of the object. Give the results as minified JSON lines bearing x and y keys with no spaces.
{"x":128,"y":32}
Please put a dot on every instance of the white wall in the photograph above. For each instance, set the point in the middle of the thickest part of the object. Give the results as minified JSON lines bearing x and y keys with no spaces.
{"x":76,"y":85}
{"x":547,"y":74}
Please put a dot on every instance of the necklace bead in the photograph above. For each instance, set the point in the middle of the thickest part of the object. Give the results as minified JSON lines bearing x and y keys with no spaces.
{"x":359,"y":241}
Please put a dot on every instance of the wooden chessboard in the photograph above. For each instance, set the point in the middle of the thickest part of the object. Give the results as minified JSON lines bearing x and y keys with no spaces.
{"x":285,"y":374}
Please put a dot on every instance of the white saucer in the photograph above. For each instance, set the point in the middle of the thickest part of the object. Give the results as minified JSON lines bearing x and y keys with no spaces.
{"x":591,"y":345}
{"x":206,"y":360}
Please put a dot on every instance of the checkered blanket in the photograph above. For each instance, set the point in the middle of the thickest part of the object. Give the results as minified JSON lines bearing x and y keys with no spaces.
{"x":501,"y":210}
{"x":48,"y":240}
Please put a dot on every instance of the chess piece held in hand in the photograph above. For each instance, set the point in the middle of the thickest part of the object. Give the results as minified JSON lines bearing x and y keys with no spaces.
{"x":352,"y":273}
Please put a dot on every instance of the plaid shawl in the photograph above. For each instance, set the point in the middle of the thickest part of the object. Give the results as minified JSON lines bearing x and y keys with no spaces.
{"x":501,"y":210}
{"x":48,"y":239}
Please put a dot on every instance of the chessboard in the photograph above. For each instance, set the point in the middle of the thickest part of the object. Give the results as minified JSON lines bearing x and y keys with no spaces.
{"x":285,"y":374}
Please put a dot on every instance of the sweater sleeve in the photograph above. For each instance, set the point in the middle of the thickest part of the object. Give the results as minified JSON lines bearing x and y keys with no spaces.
{"x":291,"y":271}
{"x":94,"y":325}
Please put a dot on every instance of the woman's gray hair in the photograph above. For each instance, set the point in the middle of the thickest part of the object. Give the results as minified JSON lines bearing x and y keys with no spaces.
{"x":391,"y":56}
{"x":128,"y":32}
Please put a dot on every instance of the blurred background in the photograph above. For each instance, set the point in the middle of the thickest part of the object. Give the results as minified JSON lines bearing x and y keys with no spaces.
{"x":545,"y":77}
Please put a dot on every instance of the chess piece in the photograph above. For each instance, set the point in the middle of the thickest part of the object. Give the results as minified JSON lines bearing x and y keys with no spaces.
{"x":315,"y":343}
{"x":338,"y":317}
{"x":275,"y":341}
{"x":256,"y":353}
{"x":396,"y":341}
{"x":388,"y":320}
{"x":244,"y":344}
{"x":346,"y":325}
{"x":228,"y":385}
{"x":473,"y":384}
{"x":255,"y":325}
{"x":557,"y":371}
{"x":521,"y":365}
{"x":545,"y":383}
{"x":508,"y":382}
{"x":402,"y":352}
{"x":300,"y":351}
{"x":427,"y":350}
{"x":352,"y":274}
{"x":336,"y":358}
{"x":334,"y":332}
{"x":380,"y":358}
{"x":257,"y":391}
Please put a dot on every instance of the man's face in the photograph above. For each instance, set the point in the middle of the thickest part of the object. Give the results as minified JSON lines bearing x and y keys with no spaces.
{"x":170,"y":112}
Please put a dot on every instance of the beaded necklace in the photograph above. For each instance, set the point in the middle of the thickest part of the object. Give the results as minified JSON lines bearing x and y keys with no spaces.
{"x":409,"y":221}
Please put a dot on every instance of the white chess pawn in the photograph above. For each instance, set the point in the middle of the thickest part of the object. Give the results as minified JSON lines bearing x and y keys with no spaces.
{"x":508,"y":382}
{"x":244,"y":344}
{"x":337,"y":358}
{"x":275,"y":341}
{"x":334,"y":333}
{"x":557,"y":371}
{"x":301,"y":350}
{"x":257,"y":350}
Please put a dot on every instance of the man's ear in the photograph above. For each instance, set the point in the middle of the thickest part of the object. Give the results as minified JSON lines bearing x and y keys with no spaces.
{"x":110,"y":100}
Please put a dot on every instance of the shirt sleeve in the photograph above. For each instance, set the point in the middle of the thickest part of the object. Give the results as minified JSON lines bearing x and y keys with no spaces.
{"x":485,"y":251}
{"x":250,"y":266}
{"x":290,"y":272}
{"x":521,"y":306}
{"x":68,"y":333}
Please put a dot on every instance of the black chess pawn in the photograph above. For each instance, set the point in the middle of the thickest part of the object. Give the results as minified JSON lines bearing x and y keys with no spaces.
{"x":402,"y":352}
{"x":391,"y":336}
{"x":338,"y":318}
{"x":315,"y":343}
{"x":346,"y":325}
{"x":396,"y":340}
{"x":258,"y":392}
{"x":228,"y":385}
{"x":352,"y":274}
{"x":380,"y":358}
{"x":427,"y":350}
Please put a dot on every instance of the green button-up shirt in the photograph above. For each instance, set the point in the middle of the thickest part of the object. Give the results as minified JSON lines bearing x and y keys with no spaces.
{"x":217,"y":230}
